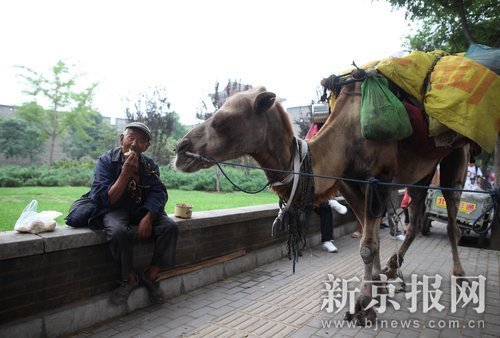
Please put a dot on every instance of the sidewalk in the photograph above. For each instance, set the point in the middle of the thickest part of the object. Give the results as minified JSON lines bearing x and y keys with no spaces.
{"x":270,"y":301}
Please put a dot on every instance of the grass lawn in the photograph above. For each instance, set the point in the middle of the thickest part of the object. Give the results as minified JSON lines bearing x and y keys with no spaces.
{"x":14,"y":200}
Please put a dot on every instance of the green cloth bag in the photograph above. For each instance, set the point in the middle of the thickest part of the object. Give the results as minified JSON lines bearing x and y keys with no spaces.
{"x":383,"y":115}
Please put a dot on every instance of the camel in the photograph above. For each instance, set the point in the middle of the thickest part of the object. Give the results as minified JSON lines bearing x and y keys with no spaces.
{"x":254,"y":123}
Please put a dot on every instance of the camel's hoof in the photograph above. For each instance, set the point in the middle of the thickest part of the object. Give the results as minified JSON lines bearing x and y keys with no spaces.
{"x":389,"y":272}
{"x":348,"y":316}
{"x":362,"y":317}
{"x":365,"y":317}
{"x":461,"y":279}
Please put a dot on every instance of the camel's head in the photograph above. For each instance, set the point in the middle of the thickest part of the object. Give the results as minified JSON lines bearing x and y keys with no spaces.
{"x":238,"y":128}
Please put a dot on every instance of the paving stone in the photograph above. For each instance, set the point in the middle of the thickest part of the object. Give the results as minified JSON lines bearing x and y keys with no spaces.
{"x":156,"y":332}
{"x":304,"y":332}
{"x":178,"y":322}
{"x":271,"y":301}
{"x":178,"y":332}
{"x":220,"y":303}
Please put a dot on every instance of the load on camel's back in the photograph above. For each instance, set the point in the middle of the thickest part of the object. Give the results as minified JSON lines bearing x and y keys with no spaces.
{"x":340,"y":158}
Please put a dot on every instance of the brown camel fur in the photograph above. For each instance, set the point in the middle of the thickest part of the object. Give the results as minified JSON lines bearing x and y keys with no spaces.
{"x":253,"y":123}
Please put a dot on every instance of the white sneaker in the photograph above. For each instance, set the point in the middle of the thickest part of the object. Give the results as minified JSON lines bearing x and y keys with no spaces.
{"x":329,"y":246}
{"x":341,"y":209}
{"x":399,"y":237}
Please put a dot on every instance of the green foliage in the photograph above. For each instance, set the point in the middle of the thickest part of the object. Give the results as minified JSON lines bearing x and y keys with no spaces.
{"x":20,"y":139}
{"x":153,"y":109}
{"x":80,"y":173}
{"x":62,"y":174}
{"x":451,"y":25}
{"x":205,"y":180}
{"x":92,"y":139}
{"x":67,"y":107}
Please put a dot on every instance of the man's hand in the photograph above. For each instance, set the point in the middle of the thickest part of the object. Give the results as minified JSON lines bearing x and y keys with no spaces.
{"x":131,"y":165}
{"x":145,"y":226}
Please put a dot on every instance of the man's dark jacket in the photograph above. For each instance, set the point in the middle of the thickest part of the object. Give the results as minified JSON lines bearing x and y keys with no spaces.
{"x":108,"y":168}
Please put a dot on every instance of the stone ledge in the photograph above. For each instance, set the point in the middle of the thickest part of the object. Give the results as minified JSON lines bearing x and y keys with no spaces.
{"x":14,"y":244}
{"x":69,"y":238}
{"x":74,"y":317}
{"x":205,"y":219}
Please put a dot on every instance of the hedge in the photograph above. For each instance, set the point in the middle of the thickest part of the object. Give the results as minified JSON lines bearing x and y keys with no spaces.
{"x":74,"y":173}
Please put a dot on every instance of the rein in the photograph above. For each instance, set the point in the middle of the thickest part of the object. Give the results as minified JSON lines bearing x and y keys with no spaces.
{"x":205,"y":159}
{"x":293,"y":176}
{"x":298,"y":159}
{"x":292,"y":214}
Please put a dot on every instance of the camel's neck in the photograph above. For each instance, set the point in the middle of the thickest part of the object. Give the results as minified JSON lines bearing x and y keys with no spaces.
{"x":328,"y":159}
{"x":328,"y":149}
{"x":277,"y":156}
{"x":276,"y":152}
{"x":333,"y":145}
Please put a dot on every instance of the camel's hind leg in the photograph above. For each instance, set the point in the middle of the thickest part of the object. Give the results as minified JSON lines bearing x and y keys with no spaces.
{"x":452,"y":175}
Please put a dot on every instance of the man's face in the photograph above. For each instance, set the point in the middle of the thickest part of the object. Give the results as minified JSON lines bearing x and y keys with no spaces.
{"x":135,"y":139}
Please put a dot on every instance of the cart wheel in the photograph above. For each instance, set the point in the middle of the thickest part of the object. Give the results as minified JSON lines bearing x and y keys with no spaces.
{"x":426,"y":226}
{"x":483,"y":241}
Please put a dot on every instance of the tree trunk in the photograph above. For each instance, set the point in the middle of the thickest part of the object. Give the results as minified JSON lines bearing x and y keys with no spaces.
{"x":52,"y":145}
{"x":459,"y":6}
{"x":495,"y":226}
{"x":217,"y":179}
{"x":485,"y":158}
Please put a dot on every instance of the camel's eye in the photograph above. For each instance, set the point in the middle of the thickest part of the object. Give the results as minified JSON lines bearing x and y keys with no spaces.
{"x":221,"y":121}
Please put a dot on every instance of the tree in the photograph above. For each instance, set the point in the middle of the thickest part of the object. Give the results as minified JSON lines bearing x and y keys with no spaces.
{"x":451,"y":25}
{"x":91,"y":140}
{"x":153,"y":109}
{"x":19,"y":139}
{"x":65,"y":106}
{"x":304,"y":123}
{"x":217,"y":98}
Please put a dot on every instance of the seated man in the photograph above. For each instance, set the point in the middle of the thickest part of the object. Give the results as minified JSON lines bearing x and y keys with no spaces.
{"x":127,"y":186}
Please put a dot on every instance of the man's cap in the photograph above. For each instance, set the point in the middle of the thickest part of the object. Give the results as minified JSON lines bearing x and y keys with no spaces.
{"x":140,"y":126}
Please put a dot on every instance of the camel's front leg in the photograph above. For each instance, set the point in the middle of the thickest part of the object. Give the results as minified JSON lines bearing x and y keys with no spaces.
{"x":355,"y":197}
{"x":369,"y":251}
{"x":369,"y":247}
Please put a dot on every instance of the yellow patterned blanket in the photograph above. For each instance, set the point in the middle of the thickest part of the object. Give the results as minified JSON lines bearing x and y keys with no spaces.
{"x":462,"y":94}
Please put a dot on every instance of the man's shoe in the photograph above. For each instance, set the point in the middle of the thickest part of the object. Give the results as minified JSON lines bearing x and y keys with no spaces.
{"x":341,"y":209}
{"x":329,"y":246}
{"x":154,"y":290}
{"x":120,"y":295}
{"x":399,"y":237}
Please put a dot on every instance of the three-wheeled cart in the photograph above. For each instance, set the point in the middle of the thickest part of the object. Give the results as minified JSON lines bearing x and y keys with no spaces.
{"x":473,"y":207}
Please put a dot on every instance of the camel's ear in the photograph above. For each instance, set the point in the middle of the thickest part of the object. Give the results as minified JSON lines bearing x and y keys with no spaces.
{"x":264,"y":101}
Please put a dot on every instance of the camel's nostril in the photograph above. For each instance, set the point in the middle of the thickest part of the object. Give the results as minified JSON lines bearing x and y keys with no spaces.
{"x":183,"y":146}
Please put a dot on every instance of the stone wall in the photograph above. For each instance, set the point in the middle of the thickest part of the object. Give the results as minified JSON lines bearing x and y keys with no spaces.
{"x":43,"y":273}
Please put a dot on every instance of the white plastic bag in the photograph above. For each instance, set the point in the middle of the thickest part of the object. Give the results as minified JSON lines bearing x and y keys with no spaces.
{"x":36,"y":222}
